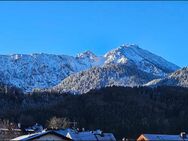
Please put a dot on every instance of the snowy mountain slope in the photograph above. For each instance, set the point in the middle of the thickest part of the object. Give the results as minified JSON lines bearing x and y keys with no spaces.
{"x":127,"y":65}
{"x":178,"y":78}
{"x":90,"y":59}
{"x":144,"y":60}
{"x":40,"y":71}
{"x":108,"y":75}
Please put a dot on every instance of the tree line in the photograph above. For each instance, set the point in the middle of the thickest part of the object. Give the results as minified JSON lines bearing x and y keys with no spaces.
{"x":124,"y":111}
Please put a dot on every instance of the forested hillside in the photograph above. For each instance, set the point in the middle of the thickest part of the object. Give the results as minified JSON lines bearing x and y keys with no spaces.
{"x":124,"y":111}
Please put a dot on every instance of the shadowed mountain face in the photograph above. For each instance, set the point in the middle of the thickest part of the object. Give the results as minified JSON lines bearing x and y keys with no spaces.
{"x":42,"y":71}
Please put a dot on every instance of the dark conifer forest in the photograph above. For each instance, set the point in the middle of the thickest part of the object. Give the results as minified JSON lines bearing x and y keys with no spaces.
{"x":124,"y":111}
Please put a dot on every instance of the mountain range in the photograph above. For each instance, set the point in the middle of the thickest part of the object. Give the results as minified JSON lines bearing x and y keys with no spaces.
{"x":126,"y":65}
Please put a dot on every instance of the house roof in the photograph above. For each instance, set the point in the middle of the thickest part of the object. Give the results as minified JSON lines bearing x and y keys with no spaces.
{"x":90,"y":136}
{"x":81,"y":136}
{"x":106,"y":137}
{"x":162,"y":137}
{"x":70,"y":134}
{"x":39,"y":134}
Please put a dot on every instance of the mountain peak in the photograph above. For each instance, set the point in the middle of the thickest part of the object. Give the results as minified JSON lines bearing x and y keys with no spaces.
{"x":122,"y":49}
{"x":143,"y":59}
{"x":87,"y":54}
{"x":129,"y":46}
{"x":125,"y":47}
{"x":124,"y":52}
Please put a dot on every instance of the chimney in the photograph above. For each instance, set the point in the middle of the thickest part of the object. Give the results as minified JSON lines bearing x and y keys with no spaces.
{"x":19,"y":125}
{"x":183,"y":135}
{"x":99,"y":132}
{"x":83,"y":129}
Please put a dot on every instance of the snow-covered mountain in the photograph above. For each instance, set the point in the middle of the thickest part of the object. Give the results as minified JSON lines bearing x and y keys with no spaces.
{"x":178,"y":78}
{"x":40,"y":71}
{"x":127,"y":65}
{"x":144,"y":60}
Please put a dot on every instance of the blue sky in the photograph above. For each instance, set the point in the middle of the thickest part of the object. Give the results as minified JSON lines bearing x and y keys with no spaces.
{"x":73,"y":27}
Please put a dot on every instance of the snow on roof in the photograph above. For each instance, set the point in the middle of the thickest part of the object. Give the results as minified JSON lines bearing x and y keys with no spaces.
{"x":90,"y":136}
{"x":72,"y":134}
{"x":29,"y":136}
{"x":81,"y":136}
{"x":164,"y":137}
{"x":25,"y":137}
{"x":5,"y":129}
{"x":106,"y":137}
{"x":38,"y":134}
{"x":75,"y":135}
